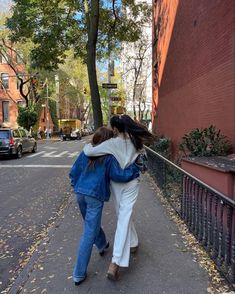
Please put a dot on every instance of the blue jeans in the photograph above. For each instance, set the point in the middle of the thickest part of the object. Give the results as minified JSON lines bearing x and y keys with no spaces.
{"x":91,"y":210}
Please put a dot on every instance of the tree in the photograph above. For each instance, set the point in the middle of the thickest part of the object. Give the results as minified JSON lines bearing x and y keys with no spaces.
{"x":27,"y":117}
{"x":92,"y":27}
{"x":73,"y":87}
{"x":137,"y":61}
{"x":17,"y":57}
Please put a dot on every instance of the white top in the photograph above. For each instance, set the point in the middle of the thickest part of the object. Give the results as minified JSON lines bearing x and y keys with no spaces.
{"x":122,"y":149}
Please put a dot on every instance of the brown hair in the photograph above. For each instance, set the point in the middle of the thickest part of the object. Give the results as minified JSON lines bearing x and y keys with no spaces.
{"x":102,"y":134}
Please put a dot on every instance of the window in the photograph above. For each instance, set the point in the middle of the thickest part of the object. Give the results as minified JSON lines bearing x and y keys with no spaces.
{"x":5,"y":80}
{"x":19,"y":57}
{"x":23,"y":133}
{"x":4,"y":134}
{"x":21,"y":103}
{"x":16,"y":134}
{"x":5,"y":109}
{"x":2,"y":59}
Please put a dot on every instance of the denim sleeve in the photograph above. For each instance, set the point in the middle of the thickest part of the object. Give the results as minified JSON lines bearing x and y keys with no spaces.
{"x":122,"y":175}
{"x":76,"y":170}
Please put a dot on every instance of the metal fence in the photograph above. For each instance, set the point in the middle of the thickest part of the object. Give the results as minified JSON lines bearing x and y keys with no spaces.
{"x":209,"y":214}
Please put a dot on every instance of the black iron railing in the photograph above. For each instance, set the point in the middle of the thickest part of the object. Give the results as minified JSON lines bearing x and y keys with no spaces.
{"x":209,"y":214}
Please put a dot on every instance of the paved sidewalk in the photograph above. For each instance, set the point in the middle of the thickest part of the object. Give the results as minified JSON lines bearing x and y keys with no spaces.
{"x":161,"y":266}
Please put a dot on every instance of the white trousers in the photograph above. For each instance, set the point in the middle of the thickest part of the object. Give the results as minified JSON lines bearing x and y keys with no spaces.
{"x":125,"y":196}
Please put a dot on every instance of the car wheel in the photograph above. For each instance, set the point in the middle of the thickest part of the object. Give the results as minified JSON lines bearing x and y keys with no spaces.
{"x":19,"y":152}
{"x":34,"y":148}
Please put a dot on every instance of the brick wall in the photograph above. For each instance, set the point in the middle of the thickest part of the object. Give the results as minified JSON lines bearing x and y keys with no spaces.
{"x":196,"y":83}
{"x":12,"y":95}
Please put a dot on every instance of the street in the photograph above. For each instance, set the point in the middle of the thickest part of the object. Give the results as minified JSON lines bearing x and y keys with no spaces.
{"x":34,"y":190}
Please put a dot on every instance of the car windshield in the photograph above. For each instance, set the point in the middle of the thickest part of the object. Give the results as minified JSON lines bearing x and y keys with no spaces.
{"x":4,"y":134}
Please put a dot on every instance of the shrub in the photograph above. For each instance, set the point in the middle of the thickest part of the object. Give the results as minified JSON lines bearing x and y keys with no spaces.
{"x":205,"y":142}
{"x":162,"y":145}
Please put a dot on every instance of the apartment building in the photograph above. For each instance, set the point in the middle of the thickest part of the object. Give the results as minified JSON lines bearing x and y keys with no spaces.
{"x":10,"y":96}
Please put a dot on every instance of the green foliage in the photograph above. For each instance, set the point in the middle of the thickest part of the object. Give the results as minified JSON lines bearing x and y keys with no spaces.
{"x":205,"y":142}
{"x":56,"y":26}
{"x":52,"y":107}
{"x":92,"y":28}
{"x":162,"y":145}
{"x":27,"y":117}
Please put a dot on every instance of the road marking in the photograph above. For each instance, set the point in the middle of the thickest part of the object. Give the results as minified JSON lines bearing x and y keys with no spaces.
{"x":74,"y":154}
{"x":60,"y":154}
{"x":49,"y":147}
{"x":35,"y":165}
{"x":49,"y":154}
{"x":53,"y":154}
{"x":36,"y":154}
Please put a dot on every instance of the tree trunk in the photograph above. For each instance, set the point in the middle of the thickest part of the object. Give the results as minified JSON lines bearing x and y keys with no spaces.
{"x":92,"y":26}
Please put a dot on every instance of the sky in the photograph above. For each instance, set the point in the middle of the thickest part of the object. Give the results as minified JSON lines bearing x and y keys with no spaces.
{"x":5,"y":5}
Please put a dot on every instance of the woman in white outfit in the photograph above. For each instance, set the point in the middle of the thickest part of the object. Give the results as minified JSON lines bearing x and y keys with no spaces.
{"x":126,"y":147}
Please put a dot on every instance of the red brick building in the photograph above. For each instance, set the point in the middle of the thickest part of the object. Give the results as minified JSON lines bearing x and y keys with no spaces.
{"x":10,"y":96}
{"x":9,"y":91}
{"x":193,"y":67}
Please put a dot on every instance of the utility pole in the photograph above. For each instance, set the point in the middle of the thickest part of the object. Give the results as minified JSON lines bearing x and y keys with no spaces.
{"x":57,"y":86}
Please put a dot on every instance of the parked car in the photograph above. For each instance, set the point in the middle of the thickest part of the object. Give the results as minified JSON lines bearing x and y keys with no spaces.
{"x":16,"y":142}
{"x":74,"y":135}
{"x":87,"y":131}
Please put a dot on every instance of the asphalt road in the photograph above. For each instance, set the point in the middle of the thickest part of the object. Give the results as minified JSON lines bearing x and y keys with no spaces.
{"x":34,"y":190}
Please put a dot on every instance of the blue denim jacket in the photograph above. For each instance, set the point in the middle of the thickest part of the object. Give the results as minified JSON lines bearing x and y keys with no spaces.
{"x":95,"y":181}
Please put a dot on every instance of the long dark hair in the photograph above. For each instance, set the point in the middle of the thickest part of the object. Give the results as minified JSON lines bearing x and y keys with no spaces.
{"x":137,"y":132}
{"x":102,"y":134}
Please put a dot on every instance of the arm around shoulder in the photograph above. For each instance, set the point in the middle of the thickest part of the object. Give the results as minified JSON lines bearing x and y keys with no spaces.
{"x":99,"y":150}
{"x":117,"y":174}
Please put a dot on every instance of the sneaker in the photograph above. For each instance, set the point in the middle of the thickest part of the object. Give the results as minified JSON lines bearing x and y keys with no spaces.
{"x":134,"y":249}
{"x":112,"y":273}
{"x":77,"y":283}
{"x":101,"y":253}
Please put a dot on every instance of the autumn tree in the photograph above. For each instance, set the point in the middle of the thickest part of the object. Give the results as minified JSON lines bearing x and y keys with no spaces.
{"x":92,"y":27}
{"x":73,"y":88}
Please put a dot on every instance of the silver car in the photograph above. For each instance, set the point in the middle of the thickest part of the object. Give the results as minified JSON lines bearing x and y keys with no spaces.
{"x":16,"y":142}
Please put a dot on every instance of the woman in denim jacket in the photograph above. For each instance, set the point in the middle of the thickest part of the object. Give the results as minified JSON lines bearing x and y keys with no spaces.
{"x":125,"y":147}
{"x":91,"y":179}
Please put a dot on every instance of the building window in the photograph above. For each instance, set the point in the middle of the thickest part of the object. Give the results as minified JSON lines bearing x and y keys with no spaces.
{"x":2,"y":59}
{"x":21,"y":103}
{"x":5,"y":109}
{"x":5,"y":80}
{"x":19,"y":57}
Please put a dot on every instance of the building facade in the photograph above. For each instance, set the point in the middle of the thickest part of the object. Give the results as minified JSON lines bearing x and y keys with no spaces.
{"x":137,"y":73}
{"x":10,"y":96}
{"x":193,"y":67}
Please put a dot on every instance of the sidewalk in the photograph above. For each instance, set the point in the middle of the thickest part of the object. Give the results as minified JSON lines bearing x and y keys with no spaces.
{"x":161,"y":266}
